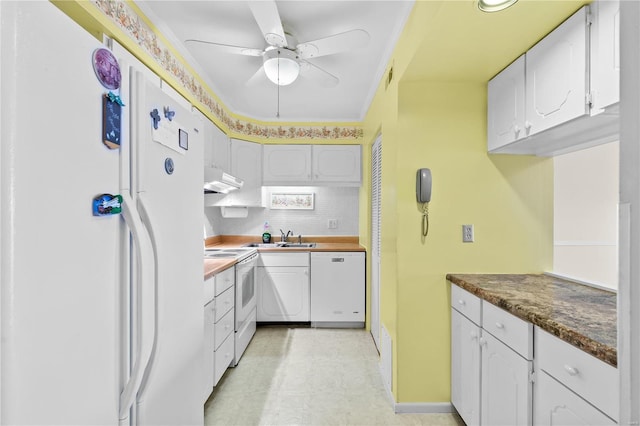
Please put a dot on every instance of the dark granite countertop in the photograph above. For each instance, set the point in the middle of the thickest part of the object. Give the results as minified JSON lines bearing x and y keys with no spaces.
{"x":578,"y":314}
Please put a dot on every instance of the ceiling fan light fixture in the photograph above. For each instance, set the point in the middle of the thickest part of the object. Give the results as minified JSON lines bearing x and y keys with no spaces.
{"x":495,"y":5}
{"x":281,"y":67}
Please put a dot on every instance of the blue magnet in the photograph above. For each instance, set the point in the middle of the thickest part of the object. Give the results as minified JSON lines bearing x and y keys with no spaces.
{"x":168,"y":166}
{"x":155,"y":116}
{"x":169,"y":114}
{"x":115,"y":98}
{"x":107,"y":204}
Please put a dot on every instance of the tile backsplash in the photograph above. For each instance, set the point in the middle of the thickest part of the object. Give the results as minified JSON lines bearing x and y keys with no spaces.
{"x":337,"y":203}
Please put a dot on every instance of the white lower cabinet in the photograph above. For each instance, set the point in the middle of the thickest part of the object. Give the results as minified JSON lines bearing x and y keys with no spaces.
{"x":465,"y":368}
{"x":556,"y":405}
{"x":588,"y":385}
{"x":506,"y":387}
{"x":493,"y":381}
{"x":490,"y":375}
{"x":282,"y":281}
{"x":218,"y":326}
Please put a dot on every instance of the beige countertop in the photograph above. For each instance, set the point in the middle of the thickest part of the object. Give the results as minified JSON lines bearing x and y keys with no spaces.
{"x":323,"y":244}
{"x":578,"y":314}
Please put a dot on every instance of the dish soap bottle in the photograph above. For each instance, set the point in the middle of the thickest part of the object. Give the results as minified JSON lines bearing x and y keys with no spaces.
{"x":266,"y":235}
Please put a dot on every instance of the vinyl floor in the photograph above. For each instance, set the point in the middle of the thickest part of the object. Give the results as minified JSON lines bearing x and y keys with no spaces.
{"x":309,"y":376}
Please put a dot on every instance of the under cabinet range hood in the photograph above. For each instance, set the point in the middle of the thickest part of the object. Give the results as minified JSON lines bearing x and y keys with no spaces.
{"x":215,"y":180}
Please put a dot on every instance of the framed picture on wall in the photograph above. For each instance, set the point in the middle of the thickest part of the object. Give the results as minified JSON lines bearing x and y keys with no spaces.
{"x":297,"y":201}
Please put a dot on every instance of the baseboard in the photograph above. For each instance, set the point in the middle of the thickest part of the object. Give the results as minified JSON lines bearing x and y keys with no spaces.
{"x":422,"y":407}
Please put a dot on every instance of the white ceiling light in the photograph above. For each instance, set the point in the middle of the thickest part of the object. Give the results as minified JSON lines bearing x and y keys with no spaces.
{"x":281,"y":66}
{"x":494,"y":5}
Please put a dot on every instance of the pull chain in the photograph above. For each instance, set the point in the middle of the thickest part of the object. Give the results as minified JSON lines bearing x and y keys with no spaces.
{"x":278,"y":111}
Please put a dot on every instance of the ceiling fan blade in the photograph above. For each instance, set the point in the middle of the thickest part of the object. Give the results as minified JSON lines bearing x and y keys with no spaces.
{"x":317,"y":74}
{"x":236,"y":50}
{"x":256,"y":78}
{"x":268,"y":19}
{"x":349,"y":40}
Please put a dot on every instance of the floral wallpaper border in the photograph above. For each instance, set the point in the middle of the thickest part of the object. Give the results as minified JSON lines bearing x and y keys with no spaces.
{"x":127,"y":20}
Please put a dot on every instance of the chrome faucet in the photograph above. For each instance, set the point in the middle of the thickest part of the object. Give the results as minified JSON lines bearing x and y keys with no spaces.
{"x":283,"y":236}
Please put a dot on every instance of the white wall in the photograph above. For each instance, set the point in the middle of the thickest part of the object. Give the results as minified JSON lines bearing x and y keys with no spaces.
{"x":330,"y":203}
{"x":586,"y":215}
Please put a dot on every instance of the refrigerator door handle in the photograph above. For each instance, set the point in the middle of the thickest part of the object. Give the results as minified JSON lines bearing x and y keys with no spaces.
{"x":153,"y":300}
{"x":146,"y":314}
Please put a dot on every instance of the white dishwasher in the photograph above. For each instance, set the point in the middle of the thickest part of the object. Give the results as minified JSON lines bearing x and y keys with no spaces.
{"x":337,"y":289}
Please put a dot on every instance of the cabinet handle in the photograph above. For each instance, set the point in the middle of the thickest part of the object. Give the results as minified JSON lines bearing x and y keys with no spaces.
{"x":474,"y":335}
{"x":462,"y":302}
{"x":527,"y":125}
{"x":500,"y":325}
{"x":483,"y":342}
{"x":516,"y":129}
{"x":571,"y":370}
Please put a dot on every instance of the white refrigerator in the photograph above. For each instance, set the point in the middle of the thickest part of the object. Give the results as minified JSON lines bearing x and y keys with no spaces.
{"x":101,"y":316}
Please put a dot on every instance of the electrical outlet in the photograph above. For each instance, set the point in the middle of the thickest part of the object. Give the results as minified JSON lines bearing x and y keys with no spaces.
{"x":332,"y":223}
{"x":467,"y":233}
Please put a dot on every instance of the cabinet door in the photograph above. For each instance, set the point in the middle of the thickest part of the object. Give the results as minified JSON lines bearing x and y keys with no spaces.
{"x":246,"y":164}
{"x":505,"y":106}
{"x":556,"y":75}
{"x":555,"y":405}
{"x":220,"y":148}
{"x":506,"y":389}
{"x":336,"y":164}
{"x":465,"y":368}
{"x":337,"y":287}
{"x":605,"y":54}
{"x":283,"y":293}
{"x":287,"y":164}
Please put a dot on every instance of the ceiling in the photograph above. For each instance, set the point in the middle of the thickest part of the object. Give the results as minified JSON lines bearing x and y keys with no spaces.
{"x":460,"y":43}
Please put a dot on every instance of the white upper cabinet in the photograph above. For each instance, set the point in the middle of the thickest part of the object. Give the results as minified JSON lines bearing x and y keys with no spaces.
{"x":246,"y":164}
{"x":556,"y":75}
{"x":505,"y":112}
{"x":220,"y":149}
{"x":287,"y":164}
{"x":216,"y":146}
{"x":605,"y":54}
{"x":312,"y":165}
{"x":336,"y":163}
{"x":569,"y":77}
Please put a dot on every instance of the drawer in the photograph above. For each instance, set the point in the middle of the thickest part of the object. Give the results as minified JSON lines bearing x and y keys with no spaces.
{"x":466,"y":303}
{"x":223,"y":357}
{"x":209,"y":290}
{"x":224,"y":303}
{"x":589,"y":377}
{"x":283,"y":259}
{"x":225,"y":279}
{"x":224,"y":328}
{"x":511,"y":330}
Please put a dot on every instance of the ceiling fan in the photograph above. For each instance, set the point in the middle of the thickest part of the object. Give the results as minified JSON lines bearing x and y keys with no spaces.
{"x":283,"y":59}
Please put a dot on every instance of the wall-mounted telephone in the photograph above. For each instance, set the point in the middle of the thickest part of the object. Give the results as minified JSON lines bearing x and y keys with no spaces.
{"x":423,"y":195}
{"x":423,"y":185}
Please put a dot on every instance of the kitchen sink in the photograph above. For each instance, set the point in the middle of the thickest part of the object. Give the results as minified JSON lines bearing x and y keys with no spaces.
{"x":263,"y":245}
{"x":278,"y":245}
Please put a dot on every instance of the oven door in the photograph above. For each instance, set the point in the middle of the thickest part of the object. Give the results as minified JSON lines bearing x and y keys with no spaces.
{"x":246,"y":299}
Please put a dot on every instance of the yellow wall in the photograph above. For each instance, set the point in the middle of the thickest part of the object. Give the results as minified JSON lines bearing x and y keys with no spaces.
{"x":508,"y":199}
{"x":442,"y":125}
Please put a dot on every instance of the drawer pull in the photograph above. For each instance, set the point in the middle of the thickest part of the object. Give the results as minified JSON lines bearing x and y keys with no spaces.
{"x":462,"y":302}
{"x":500,"y":325}
{"x":571,"y":370}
